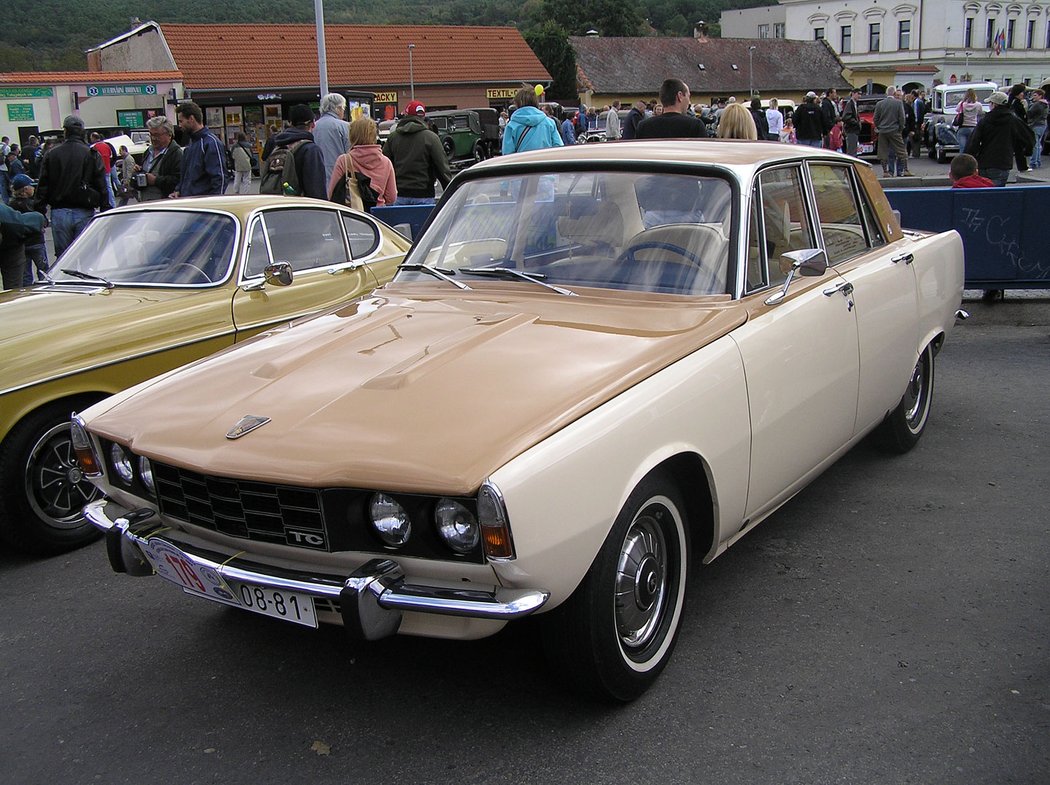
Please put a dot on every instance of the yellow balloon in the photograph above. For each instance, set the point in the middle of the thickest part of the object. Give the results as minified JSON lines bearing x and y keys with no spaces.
{"x":539,"y":89}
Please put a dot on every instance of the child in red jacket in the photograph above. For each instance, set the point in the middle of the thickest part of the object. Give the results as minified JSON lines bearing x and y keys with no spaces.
{"x":964,"y":174}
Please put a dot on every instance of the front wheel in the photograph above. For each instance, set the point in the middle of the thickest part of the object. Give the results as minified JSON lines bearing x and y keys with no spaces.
{"x":615,"y":634}
{"x":903,"y":427}
{"x":42,"y":490}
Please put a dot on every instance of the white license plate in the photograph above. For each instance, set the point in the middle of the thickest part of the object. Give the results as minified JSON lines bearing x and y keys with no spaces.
{"x":867,"y":148}
{"x":173,"y":565}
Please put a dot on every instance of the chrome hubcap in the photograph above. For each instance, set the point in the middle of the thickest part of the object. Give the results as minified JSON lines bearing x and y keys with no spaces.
{"x":54,"y":484}
{"x":641,"y":580}
{"x":916,"y":395}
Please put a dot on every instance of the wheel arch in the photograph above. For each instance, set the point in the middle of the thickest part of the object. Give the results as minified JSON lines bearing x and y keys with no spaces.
{"x":76,"y":400}
{"x":692,"y":476}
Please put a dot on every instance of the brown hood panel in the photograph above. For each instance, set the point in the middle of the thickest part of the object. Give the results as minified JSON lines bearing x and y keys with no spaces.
{"x":411,"y":393}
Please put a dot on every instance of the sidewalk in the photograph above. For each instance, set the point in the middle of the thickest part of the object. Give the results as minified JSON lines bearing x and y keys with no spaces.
{"x":930,"y":174}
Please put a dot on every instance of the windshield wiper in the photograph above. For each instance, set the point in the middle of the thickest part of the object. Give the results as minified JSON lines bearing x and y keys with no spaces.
{"x":87,"y":276}
{"x":509,"y":272}
{"x":444,"y":275}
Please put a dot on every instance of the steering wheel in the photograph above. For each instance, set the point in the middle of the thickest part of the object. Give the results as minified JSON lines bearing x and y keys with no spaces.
{"x":629,"y":254}
{"x":198,"y":272}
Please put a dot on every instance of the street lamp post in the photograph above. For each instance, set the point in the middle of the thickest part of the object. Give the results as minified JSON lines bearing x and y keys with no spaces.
{"x":322,"y":58}
{"x":751,"y":72}
{"x":411,"y":75}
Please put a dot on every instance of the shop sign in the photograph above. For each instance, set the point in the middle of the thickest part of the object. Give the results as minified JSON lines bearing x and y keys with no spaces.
{"x":500,"y":92}
{"x":387,"y":98}
{"x":95,"y":90}
{"x":17,"y":113}
{"x":132,"y":118}
{"x":26,"y":92}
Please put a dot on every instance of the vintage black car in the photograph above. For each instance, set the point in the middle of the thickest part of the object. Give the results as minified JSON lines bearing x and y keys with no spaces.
{"x":467,"y":135}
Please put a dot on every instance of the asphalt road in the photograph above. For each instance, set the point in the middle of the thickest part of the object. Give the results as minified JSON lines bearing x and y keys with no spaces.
{"x":890,"y":625}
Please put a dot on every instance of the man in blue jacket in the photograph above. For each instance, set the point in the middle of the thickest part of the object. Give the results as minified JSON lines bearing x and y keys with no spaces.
{"x":203,"y":157}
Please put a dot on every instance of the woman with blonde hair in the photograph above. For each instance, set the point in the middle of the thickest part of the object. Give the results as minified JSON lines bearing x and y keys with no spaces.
{"x":366,"y":157}
{"x":737,"y":123}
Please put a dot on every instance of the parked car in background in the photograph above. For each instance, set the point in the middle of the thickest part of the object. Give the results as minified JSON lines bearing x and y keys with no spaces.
{"x":868,"y":138}
{"x":938,"y":133}
{"x":599,"y":366}
{"x":143,"y":290}
{"x":462,"y":136}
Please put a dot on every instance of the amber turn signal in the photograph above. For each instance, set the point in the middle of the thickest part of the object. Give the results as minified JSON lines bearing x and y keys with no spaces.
{"x":83,"y":449}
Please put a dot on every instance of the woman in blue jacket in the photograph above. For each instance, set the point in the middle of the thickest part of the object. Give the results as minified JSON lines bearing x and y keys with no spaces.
{"x":529,"y":128}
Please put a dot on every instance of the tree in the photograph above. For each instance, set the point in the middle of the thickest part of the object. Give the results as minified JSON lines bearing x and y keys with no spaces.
{"x":550,"y":43}
{"x":611,"y":18}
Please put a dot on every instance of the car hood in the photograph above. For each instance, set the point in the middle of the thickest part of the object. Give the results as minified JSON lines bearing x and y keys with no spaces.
{"x":409,"y":391}
{"x":51,"y":331}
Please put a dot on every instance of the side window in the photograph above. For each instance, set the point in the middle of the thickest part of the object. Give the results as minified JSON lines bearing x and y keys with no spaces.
{"x":840,"y":221}
{"x":784,"y":218}
{"x":756,"y":267}
{"x":258,"y":255}
{"x":306,"y":238}
{"x":363,"y":236}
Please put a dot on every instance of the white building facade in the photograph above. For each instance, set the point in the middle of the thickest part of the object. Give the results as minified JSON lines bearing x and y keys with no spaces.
{"x":914,"y":43}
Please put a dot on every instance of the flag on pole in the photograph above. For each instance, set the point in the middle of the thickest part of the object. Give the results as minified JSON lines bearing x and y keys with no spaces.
{"x":1000,"y":42}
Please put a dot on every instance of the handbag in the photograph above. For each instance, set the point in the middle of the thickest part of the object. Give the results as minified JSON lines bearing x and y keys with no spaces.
{"x":369,"y":195}
{"x":957,"y":121}
{"x":346,"y":190}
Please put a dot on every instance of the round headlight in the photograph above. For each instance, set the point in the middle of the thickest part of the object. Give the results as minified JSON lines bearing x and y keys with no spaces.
{"x":390,"y":520}
{"x":146,"y":475}
{"x":121,"y":461}
{"x":457,"y":526}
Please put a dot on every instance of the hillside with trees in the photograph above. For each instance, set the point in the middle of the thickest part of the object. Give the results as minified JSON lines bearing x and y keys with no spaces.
{"x":52,"y":35}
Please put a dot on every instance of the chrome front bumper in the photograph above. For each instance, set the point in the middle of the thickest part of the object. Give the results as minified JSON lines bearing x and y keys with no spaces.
{"x":371,"y":599}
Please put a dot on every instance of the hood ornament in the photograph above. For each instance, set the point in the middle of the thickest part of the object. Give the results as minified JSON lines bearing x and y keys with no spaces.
{"x":245,"y":425}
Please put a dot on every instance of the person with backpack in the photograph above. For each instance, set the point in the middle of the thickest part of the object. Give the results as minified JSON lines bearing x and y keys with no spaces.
{"x":529,"y":128}
{"x":241,"y":160}
{"x":295,"y":164}
{"x":203,"y":157}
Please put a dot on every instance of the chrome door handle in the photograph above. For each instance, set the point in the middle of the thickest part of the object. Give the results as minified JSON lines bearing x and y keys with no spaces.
{"x":907,"y":258}
{"x":845,"y":287}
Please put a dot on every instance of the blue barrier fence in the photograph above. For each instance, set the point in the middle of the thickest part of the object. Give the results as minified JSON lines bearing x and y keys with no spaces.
{"x":1007,"y":245}
{"x":1006,"y":242}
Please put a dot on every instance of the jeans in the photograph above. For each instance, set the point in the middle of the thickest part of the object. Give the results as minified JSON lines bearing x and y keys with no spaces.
{"x":964,"y":134}
{"x":997,"y":176}
{"x":409,"y":200}
{"x":1037,"y":152}
{"x":66,"y":224}
{"x":809,"y":143}
{"x":36,"y":257}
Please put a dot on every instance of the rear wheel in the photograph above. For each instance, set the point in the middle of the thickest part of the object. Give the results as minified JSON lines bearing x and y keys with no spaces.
{"x":615,"y":635}
{"x":42,"y":490}
{"x":903,"y":427}
{"x":449,"y":147}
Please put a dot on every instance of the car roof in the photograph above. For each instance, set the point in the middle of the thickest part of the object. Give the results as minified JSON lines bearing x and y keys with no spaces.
{"x":725,"y":152}
{"x":237,"y":205}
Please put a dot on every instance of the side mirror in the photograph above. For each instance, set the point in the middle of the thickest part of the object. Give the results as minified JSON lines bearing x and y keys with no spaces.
{"x":809,"y":262}
{"x":278,"y":274}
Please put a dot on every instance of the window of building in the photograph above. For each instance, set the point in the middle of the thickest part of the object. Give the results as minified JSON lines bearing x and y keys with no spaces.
{"x":778,"y":29}
{"x":818,"y":33}
{"x":904,"y":34}
{"x":1029,"y":36}
{"x":989,"y":34}
{"x":874,"y":33}
{"x":968,"y":32}
{"x":1028,"y":81}
{"x":763,"y":31}
{"x":847,"y":39}
{"x":1046,"y":41}
{"x":1010,"y":24}
{"x":1007,"y":81}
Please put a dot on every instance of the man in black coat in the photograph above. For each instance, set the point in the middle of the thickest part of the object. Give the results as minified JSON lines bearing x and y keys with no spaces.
{"x":1000,"y":139}
{"x":829,"y":111}
{"x":809,"y":122}
{"x":674,"y":123}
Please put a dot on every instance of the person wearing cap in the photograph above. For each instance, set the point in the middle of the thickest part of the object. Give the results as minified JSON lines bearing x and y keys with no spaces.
{"x":35,"y":250}
{"x":808,"y":121}
{"x":309,"y":159}
{"x":203,"y":157}
{"x":999,"y":139}
{"x":72,"y":183}
{"x":417,"y":156}
{"x":331,"y":131}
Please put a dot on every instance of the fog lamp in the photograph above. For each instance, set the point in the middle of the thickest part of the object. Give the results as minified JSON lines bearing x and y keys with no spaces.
{"x":457,"y":526}
{"x":390,"y":520}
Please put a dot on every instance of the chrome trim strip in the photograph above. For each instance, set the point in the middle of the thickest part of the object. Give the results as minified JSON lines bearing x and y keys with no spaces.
{"x":394,"y":595}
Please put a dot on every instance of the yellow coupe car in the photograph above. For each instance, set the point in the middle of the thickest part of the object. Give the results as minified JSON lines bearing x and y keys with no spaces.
{"x":146,"y":289}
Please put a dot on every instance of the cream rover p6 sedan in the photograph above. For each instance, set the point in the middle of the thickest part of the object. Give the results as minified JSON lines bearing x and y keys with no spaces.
{"x":598,"y":368}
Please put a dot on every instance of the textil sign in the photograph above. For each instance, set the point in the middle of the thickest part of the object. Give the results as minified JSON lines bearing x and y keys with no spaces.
{"x":121,"y":89}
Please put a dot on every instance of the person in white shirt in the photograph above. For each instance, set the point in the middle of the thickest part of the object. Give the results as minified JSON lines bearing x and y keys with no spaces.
{"x":775,"y":120}
{"x":612,"y":122}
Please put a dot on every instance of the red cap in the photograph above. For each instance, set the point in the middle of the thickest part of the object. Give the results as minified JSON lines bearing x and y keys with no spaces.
{"x":415,"y":107}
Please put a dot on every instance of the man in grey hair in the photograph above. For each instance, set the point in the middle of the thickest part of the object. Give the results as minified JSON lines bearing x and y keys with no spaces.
{"x":331,"y":131}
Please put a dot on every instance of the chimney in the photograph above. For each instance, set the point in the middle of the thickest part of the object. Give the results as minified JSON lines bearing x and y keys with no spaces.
{"x":700,"y":31}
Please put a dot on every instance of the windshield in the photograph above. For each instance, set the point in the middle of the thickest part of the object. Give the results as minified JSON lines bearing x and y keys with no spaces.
{"x":663,"y":233}
{"x":953,"y":97}
{"x":158,"y":247}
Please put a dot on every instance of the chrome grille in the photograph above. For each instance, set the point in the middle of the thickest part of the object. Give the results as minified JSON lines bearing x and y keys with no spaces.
{"x":243,"y":508}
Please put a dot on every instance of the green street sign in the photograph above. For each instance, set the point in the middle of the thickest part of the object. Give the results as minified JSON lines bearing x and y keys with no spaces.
{"x":26,"y":92}
{"x":18,"y":113}
{"x":94,"y":90}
